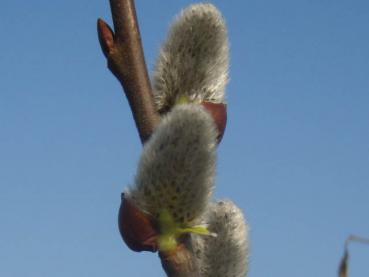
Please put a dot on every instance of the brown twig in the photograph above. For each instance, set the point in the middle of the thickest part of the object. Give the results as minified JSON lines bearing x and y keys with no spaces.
{"x":124,"y":53}
{"x":123,"y":50}
{"x":343,"y":266}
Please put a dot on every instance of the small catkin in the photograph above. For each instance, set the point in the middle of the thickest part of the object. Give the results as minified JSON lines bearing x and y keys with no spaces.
{"x":193,"y":61}
{"x":177,"y":166}
{"x":225,"y":255}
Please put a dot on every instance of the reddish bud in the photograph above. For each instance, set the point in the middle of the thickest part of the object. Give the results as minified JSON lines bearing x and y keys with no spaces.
{"x":136,"y":227}
{"x":106,"y":37}
{"x":219,"y":113}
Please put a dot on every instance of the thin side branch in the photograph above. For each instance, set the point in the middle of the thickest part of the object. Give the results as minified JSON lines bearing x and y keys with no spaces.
{"x":343,"y":266}
{"x":357,"y":239}
{"x":125,"y":57}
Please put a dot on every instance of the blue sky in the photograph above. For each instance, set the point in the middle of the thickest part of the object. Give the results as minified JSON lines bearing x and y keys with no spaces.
{"x":295,"y":155}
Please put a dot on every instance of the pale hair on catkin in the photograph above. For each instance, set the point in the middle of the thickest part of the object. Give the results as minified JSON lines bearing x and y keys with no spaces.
{"x":225,"y":255}
{"x":177,"y":166}
{"x":193,"y":61}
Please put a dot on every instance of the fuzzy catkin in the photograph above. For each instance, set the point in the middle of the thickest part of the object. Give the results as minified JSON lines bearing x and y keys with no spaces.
{"x":177,"y":166}
{"x":193,"y":61}
{"x":225,"y":255}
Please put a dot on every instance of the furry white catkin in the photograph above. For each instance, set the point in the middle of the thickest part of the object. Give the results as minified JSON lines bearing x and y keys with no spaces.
{"x":177,"y":166}
{"x":225,"y":255}
{"x":193,"y":61}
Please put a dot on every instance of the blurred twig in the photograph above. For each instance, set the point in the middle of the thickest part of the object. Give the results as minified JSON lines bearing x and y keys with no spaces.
{"x":343,"y":267}
{"x":357,"y":239}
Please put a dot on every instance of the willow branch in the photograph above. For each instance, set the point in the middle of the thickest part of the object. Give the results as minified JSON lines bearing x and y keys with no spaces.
{"x":123,"y":50}
{"x":125,"y":58}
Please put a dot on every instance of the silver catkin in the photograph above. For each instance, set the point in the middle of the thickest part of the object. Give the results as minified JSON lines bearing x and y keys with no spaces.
{"x":177,"y":166}
{"x":194,"y":59}
{"x":225,"y":255}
